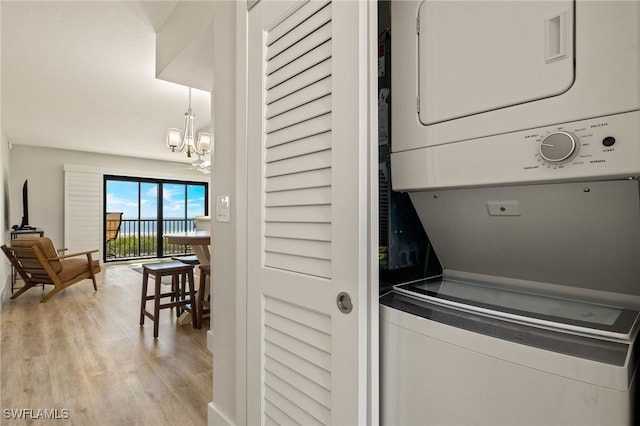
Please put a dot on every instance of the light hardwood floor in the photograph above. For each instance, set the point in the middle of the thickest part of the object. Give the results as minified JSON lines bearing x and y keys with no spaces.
{"x":85,"y":352}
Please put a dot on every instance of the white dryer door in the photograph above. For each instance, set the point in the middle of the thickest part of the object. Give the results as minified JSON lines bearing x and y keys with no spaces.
{"x":477,"y":56}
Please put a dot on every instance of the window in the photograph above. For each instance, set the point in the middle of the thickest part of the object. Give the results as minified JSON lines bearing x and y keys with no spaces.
{"x":150,"y":208}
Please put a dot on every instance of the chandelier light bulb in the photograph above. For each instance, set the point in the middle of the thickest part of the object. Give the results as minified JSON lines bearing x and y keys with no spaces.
{"x":173,"y":139}
{"x":204,"y":142}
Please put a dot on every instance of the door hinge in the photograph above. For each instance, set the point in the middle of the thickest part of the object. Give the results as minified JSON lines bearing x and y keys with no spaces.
{"x":418,"y":103}
{"x":418,"y":25}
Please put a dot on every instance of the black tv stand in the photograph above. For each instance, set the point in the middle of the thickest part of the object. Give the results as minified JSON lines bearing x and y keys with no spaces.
{"x":26,"y":228}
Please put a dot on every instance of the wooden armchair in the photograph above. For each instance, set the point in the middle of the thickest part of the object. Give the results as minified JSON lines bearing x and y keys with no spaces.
{"x":38,"y":262}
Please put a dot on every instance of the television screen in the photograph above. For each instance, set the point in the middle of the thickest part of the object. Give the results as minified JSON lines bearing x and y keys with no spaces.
{"x":25,"y":206}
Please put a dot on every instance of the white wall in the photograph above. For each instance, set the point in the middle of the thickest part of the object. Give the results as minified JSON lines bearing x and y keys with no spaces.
{"x":183,"y":45}
{"x":4,"y":194}
{"x":4,"y":219}
{"x":228,"y":237}
{"x":44,"y":168}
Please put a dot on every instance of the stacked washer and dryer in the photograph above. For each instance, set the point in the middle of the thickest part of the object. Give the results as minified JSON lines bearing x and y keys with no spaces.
{"x":516,"y":132}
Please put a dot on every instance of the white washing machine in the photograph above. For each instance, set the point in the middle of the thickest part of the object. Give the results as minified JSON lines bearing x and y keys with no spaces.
{"x":451,"y":366}
{"x":516,"y":132}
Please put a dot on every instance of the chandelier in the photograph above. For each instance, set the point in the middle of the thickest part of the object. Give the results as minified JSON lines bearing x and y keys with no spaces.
{"x":188,"y":142}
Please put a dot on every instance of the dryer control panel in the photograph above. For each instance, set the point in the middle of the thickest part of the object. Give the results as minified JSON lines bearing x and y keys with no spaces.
{"x":603,"y":147}
{"x":588,"y":143}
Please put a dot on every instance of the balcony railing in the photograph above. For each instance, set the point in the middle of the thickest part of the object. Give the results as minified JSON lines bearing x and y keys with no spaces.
{"x":138,"y":239}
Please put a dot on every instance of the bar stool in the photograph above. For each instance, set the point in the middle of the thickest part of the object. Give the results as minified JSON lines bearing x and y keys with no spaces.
{"x":189,"y":260}
{"x":181,"y":275}
{"x":205,"y":271}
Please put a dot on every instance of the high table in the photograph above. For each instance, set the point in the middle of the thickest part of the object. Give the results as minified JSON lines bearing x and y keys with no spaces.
{"x":200,"y":241}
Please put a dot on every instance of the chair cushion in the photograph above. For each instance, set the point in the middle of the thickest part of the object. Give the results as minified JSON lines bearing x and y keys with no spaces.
{"x":189,"y":260}
{"x":45,"y":245}
{"x":74,"y":267}
{"x":166,"y":268}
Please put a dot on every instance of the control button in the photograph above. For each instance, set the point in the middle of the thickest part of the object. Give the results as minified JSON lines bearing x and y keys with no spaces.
{"x":608,"y":141}
{"x":559,"y":147}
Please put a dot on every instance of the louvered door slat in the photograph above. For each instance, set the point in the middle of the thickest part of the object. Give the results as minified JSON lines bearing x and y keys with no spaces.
{"x":320,"y":394}
{"x":300,"y":81}
{"x":318,"y":340}
{"x":311,"y":354}
{"x":274,"y":416}
{"x":301,"y":214}
{"x":312,"y":319}
{"x":307,"y":21}
{"x":306,"y":231}
{"x":304,"y":179}
{"x":305,"y":112}
{"x":302,"y":130}
{"x":299,"y":197}
{"x":288,"y":24}
{"x":316,"y":374}
{"x":313,"y":249}
{"x":303,"y":349}
{"x":299,"y":416}
{"x":315,"y":56}
{"x":314,"y":91}
{"x":303,"y":163}
{"x":320,"y":35}
{"x":315,"y":143}
{"x":300,"y":264}
{"x":317,"y":411}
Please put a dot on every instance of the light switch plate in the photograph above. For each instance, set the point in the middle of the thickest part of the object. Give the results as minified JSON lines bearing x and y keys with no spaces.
{"x":223,"y":208}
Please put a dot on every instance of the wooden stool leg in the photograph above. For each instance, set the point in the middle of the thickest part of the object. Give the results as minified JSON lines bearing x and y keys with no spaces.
{"x":183,"y":283}
{"x":143,"y":302}
{"x":201,"y":288}
{"x":192,"y":299}
{"x":175,"y":285}
{"x":156,"y":307}
{"x":173,"y":289}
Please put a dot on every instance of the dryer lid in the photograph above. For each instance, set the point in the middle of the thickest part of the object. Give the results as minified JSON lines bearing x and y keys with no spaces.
{"x":583,"y":234}
{"x":475,"y":56}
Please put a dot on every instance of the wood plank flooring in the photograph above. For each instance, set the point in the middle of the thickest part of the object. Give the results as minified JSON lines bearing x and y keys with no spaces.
{"x":85,"y":352}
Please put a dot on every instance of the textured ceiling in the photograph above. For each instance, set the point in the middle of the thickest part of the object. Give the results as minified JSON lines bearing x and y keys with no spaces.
{"x":81,"y":76}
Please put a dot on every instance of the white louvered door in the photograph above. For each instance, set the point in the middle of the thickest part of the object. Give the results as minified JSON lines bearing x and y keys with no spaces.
{"x":307,"y":212}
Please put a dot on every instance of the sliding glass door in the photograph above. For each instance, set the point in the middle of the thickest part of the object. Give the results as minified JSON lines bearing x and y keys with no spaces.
{"x":181,"y":204}
{"x":138,"y":211}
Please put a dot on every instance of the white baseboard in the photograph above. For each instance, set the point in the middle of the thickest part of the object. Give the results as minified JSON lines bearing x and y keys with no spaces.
{"x":5,"y":290}
{"x":216,"y":418}
{"x":210,"y":341}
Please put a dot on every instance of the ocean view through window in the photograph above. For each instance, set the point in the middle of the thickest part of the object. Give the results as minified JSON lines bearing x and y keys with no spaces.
{"x":150,"y":208}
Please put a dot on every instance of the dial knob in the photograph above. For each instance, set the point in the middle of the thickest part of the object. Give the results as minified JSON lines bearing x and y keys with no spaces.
{"x":559,"y":147}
